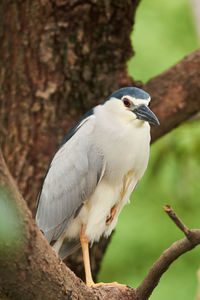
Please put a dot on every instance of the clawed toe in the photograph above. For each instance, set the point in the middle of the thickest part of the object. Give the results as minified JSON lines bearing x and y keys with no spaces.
{"x":111,"y":284}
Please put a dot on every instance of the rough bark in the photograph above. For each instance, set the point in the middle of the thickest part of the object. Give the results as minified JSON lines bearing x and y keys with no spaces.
{"x":58,"y":58}
{"x":36,"y":272}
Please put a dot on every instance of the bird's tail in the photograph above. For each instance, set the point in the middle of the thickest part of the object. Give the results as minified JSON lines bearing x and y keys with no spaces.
{"x":68,"y":247}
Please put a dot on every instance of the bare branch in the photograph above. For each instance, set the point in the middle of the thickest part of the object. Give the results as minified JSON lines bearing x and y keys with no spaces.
{"x":188,"y":233}
{"x":176,"y":220}
{"x":167,"y":258}
{"x":175,"y":94}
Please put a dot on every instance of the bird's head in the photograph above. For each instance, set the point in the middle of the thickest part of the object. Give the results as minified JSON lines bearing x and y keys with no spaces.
{"x":131,"y":103}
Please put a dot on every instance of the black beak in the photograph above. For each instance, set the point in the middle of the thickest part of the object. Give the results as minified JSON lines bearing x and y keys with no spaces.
{"x":144,"y":113}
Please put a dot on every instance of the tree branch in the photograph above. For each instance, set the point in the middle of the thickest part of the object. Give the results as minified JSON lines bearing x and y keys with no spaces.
{"x":178,"y":248}
{"x":35,"y":271}
{"x":175,"y":94}
{"x":177,"y":221}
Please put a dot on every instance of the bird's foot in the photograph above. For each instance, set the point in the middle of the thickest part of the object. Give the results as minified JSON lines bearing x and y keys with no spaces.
{"x":111,"y":284}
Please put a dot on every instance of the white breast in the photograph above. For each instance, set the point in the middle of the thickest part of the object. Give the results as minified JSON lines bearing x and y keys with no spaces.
{"x":125,"y":147}
{"x":124,"y":143}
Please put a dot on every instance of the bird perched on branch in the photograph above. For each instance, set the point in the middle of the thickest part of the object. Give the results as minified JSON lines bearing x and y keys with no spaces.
{"x":94,"y":171}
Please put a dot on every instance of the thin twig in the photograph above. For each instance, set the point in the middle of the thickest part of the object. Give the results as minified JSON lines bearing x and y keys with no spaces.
{"x":176,"y":220}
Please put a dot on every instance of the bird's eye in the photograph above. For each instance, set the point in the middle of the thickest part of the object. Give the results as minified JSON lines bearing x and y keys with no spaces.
{"x":126,"y":102}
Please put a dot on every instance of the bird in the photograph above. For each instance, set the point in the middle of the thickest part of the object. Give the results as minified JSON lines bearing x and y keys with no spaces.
{"x":93,"y":173}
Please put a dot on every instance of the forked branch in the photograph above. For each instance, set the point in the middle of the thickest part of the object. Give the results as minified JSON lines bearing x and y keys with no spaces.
{"x":168,"y":256}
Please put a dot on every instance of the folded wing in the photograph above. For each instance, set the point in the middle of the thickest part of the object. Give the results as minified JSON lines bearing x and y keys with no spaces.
{"x":72,"y":177}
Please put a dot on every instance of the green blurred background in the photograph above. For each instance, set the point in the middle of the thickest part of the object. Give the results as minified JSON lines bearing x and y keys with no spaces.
{"x":164,"y":33}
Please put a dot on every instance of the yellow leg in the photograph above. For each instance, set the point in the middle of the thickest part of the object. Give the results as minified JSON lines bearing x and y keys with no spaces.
{"x":86,"y":257}
{"x":86,"y":261}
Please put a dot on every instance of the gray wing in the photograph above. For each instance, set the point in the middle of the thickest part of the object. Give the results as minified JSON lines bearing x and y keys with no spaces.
{"x":72,"y":177}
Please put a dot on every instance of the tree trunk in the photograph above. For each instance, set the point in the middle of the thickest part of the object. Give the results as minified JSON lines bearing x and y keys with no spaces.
{"x":58,"y":59}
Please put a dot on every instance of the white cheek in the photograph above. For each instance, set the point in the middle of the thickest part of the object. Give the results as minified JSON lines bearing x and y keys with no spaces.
{"x":132,"y":115}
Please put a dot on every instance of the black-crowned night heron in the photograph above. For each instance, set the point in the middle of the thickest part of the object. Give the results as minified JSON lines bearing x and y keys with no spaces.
{"x":93,"y":173}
